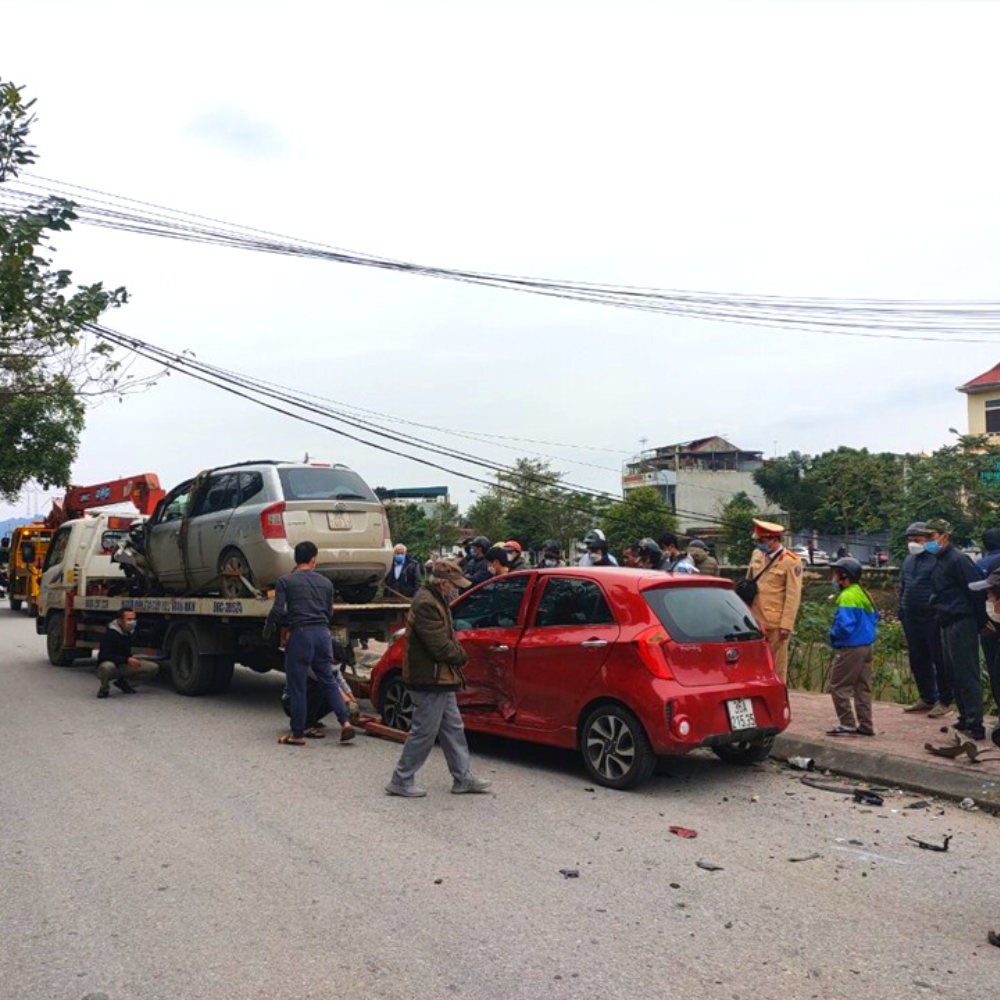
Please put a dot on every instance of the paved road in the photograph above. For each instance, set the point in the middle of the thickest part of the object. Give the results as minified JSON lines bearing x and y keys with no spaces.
{"x":164,"y":847}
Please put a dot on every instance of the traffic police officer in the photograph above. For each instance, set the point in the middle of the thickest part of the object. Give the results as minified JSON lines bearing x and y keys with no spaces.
{"x":778,"y":575}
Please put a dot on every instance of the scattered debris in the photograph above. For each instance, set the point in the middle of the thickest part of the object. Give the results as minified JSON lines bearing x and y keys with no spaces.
{"x":868,"y":798}
{"x":438,"y":881}
{"x":993,"y":938}
{"x":919,"y":804}
{"x":824,"y":786}
{"x":588,"y":789}
{"x":569,"y":872}
{"x":931,"y":847}
{"x":967,"y":804}
{"x":707,"y":866}
{"x":955,"y":747}
{"x":683,"y":831}
{"x":729,"y":925}
{"x":675,"y":885}
{"x":809,"y":857}
{"x":755,"y":798}
{"x":802,"y":763}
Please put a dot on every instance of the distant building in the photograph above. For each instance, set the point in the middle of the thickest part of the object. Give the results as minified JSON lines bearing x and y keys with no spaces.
{"x":983,"y":394}
{"x":424,"y":497}
{"x":696,"y":479}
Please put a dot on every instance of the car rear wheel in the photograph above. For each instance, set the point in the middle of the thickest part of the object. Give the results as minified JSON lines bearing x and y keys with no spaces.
{"x":395,"y":704}
{"x":234,"y":568}
{"x":59,"y":654}
{"x":363,"y":594}
{"x":615,"y":747}
{"x":746,"y":752}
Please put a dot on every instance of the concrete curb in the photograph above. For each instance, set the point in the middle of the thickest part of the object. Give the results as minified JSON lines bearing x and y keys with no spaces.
{"x":893,"y":770}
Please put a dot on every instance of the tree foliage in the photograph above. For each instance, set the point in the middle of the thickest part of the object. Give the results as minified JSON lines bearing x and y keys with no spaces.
{"x":49,"y":364}
{"x":642,"y":514}
{"x":737,"y":517}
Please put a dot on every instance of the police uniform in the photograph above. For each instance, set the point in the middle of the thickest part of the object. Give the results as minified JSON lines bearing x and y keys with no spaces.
{"x":779,"y":593}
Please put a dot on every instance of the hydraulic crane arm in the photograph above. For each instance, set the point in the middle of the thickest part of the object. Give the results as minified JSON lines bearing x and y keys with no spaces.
{"x":142,"y":491}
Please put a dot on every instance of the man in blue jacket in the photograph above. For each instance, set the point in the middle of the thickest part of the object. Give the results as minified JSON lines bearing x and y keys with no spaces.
{"x":852,"y":636}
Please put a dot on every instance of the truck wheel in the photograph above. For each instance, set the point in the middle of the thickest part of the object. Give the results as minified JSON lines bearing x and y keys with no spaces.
{"x":191,"y":672}
{"x":615,"y":747}
{"x":59,"y":655}
{"x":15,"y":604}
{"x":747,"y":752}
{"x":32,"y":610}
{"x":361,"y":594}
{"x":233,"y":565}
{"x":395,"y":704}
{"x":223,"y":677}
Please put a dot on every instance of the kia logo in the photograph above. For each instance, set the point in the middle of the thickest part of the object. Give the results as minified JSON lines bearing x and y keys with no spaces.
{"x":732,"y":655}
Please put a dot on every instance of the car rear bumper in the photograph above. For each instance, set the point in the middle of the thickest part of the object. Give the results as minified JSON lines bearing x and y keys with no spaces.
{"x":704,"y":710}
{"x":273,"y":559}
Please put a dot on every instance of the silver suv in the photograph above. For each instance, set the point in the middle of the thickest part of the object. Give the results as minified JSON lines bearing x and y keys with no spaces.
{"x":233,"y":530}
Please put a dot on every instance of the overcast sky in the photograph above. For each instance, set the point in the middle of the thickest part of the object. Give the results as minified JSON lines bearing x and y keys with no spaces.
{"x":830,"y":149}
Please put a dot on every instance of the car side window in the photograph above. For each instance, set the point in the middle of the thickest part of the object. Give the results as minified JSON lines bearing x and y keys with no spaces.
{"x":220,"y":493}
{"x":572,"y":602}
{"x":251,"y":483}
{"x":497,"y":604}
{"x":175,"y":506}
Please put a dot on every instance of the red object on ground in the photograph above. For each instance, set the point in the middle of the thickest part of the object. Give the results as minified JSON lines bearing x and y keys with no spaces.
{"x":373,"y":727}
{"x":623,"y":665}
{"x":683,"y":831}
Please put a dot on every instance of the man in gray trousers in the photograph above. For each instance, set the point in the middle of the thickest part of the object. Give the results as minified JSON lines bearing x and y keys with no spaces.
{"x":432,"y":670}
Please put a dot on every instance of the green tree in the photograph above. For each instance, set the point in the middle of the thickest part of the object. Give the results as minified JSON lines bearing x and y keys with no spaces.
{"x":857,"y":490}
{"x":642,"y":514}
{"x":488,"y":516}
{"x":783,"y":481}
{"x":49,"y":365}
{"x":409,"y":526}
{"x":737,"y":516}
{"x":443,"y":527}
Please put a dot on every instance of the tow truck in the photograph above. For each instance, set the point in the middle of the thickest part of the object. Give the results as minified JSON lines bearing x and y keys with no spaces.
{"x":200,"y":639}
{"x":29,"y":544}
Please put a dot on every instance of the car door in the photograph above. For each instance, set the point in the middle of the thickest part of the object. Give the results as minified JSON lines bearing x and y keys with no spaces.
{"x":489,"y":622}
{"x":163,"y":536}
{"x":210,"y":517}
{"x":570,"y":635}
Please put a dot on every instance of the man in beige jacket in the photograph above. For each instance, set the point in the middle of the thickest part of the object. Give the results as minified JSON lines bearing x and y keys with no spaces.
{"x":778,"y":574}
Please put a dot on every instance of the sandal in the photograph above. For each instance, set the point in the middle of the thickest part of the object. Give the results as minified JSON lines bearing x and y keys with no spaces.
{"x":314,"y":734}
{"x":291,"y":741}
{"x":842,"y":731}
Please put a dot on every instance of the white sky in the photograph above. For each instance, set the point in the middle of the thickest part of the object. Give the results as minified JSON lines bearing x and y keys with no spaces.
{"x":832,"y":149}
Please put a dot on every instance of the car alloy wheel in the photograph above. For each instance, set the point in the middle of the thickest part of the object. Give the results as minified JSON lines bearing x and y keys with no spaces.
{"x":397,"y":705}
{"x":611,"y":747}
{"x":233,"y":570}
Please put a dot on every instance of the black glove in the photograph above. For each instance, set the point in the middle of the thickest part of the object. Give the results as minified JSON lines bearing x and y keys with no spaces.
{"x":267,"y":631}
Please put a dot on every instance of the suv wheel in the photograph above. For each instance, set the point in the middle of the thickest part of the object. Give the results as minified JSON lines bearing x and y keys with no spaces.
{"x":615,"y":747}
{"x":395,"y":704}
{"x":747,"y":752}
{"x":233,"y":566}
{"x":59,"y":655}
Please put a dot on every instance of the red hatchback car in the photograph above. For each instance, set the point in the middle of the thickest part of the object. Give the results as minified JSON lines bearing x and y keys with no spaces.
{"x":624,"y":665}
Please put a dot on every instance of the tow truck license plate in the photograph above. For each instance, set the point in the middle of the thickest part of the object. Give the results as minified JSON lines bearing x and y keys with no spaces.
{"x":741,"y":714}
{"x":337,"y":521}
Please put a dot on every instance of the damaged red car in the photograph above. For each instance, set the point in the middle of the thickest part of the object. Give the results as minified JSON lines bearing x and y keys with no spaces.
{"x":623,"y":665}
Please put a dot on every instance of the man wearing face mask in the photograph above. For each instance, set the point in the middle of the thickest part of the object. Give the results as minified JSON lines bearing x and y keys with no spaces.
{"x":475,"y":567}
{"x":551,"y":555}
{"x":776,"y":575}
{"x":432,"y":670}
{"x":116,"y":664}
{"x":920,"y":627}
{"x":961,"y":614}
{"x":404,"y":577}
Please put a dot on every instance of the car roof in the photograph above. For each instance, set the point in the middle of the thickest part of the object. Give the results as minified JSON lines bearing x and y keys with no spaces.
{"x":632,"y":579}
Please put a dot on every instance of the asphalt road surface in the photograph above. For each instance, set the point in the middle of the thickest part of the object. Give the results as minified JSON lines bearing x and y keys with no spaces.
{"x":155,"y":846}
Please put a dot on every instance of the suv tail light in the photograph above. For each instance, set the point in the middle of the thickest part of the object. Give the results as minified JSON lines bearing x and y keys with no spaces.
{"x":272,"y":520}
{"x":649,"y":645}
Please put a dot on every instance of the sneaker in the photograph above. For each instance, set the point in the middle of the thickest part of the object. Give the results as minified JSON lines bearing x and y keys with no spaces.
{"x":842,"y":731}
{"x":124,"y":686}
{"x":347,"y":733}
{"x":976,"y":732}
{"x":405,"y":791}
{"x":919,"y":706}
{"x":939,"y":711}
{"x":103,"y":693}
{"x":471,"y":786}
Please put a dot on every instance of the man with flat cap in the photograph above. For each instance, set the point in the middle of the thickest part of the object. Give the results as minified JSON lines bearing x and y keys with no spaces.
{"x":777,"y":573}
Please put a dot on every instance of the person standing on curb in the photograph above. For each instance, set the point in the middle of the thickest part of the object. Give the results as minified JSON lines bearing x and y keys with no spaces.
{"x":704,"y":562}
{"x":403,"y":577}
{"x":777,"y":576}
{"x":303,"y":599}
{"x":432,"y":671}
{"x":852,"y":636}
{"x":115,"y":662}
{"x":920,"y":627}
{"x":961,"y":615}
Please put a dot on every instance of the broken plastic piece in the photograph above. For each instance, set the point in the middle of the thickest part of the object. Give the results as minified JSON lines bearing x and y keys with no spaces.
{"x":941,"y":848}
{"x":709,"y":867}
{"x":868,"y":798}
{"x":967,"y":804}
{"x":569,"y":872}
{"x":919,"y":804}
{"x":683,"y":831}
{"x":809,"y":857}
{"x":802,"y":763}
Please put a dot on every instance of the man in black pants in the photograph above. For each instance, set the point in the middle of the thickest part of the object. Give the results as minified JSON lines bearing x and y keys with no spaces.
{"x":305,"y":599}
{"x":961,"y":613}
{"x":923,"y":640}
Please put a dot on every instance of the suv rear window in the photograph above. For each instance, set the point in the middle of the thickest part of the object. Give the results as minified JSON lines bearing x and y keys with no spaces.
{"x":324,"y":484}
{"x":702,"y":614}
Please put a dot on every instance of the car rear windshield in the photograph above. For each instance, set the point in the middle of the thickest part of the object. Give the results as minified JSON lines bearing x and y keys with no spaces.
{"x":702,"y":614}
{"x":324,"y":484}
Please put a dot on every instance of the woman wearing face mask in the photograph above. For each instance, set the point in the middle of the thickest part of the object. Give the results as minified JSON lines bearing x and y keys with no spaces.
{"x":920,"y":627}
{"x":116,"y":664}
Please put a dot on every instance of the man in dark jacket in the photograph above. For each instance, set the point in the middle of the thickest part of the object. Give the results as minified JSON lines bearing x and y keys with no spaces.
{"x":923,"y":639}
{"x":303,"y":600}
{"x":115,"y":662}
{"x":475,"y":566}
{"x":403,"y":578}
{"x":432,"y":670}
{"x":961,"y":614}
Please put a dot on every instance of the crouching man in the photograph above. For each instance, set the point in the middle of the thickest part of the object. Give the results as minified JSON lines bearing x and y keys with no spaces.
{"x":432,"y":670}
{"x":115,"y":662}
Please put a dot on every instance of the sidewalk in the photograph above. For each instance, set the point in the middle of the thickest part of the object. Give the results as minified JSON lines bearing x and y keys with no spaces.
{"x":894,"y":756}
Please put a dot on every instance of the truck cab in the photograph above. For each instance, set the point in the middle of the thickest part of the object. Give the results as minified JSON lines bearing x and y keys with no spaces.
{"x":29,"y":545}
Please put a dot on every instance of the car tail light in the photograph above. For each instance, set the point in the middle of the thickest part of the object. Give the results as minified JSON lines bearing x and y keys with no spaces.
{"x":272,"y":520}
{"x":649,"y":645}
